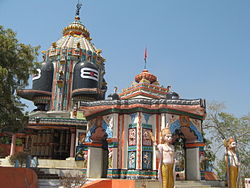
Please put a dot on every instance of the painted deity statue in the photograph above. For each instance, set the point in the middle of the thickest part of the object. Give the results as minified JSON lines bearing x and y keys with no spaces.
{"x":165,"y":152}
{"x":232,"y":163}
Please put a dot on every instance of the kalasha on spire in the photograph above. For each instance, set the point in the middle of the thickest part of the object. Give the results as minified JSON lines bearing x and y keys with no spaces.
{"x":77,"y":28}
{"x":76,"y":36}
{"x":145,"y":75}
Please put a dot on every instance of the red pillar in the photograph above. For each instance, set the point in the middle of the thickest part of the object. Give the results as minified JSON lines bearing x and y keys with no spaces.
{"x":13,"y":145}
{"x":72,"y":143}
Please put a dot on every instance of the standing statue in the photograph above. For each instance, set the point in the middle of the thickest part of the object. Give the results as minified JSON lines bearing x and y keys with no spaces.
{"x":232,"y":163}
{"x":165,"y":152}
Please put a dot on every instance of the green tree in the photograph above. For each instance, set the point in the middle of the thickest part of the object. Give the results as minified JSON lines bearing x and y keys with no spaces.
{"x":209,"y":159}
{"x":220,"y":125}
{"x":17,"y":62}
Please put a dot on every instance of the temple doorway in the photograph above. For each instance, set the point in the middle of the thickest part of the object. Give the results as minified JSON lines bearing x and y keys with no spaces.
{"x":49,"y":144}
{"x":188,"y":142}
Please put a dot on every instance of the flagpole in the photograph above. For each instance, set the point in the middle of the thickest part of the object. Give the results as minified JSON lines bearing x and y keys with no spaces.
{"x":145,"y":58}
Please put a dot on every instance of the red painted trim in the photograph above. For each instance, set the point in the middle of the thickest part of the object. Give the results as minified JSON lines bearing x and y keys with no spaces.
{"x":182,"y":108}
{"x":123,"y":142}
{"x":70,"y":84}
{"x":192,"y":145}
{"x":119,"y":142}
{"x":141,"y":84}
{"x":34,"y":91}
{"x":139,"y":140}
{"x":158,"y":129}
{"x":54,"y":85}
{"x":144,"y":88}
{"x":92,"y":144}
{"x":110,"y":140}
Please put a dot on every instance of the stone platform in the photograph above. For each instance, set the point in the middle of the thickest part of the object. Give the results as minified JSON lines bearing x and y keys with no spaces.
{"x":120,"y":183}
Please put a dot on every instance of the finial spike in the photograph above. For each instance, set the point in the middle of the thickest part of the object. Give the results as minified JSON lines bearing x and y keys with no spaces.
{"x":78,"y":7}
{"x":145,"y":58}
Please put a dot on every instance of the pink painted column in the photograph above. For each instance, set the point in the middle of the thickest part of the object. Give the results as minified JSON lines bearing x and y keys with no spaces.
{"x":72,"y":143}
{"x":13,"y":145}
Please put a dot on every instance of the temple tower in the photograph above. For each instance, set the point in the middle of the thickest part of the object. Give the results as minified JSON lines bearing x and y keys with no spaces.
{"x":72,"y":71}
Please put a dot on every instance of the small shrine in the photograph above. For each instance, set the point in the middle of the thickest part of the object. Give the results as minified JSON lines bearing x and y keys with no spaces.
{"x":121,"y":125}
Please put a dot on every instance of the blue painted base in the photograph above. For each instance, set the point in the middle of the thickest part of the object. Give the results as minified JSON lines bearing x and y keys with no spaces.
{"x":132,"y":174}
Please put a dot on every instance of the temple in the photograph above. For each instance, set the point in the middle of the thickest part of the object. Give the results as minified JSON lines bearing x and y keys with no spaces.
{"x":128,"y":117}
{"x":72,"y":71}
{"x":74,"y":121}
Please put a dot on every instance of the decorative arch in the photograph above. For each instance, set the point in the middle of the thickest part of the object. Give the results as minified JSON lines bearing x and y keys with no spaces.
{"x":89,"y":134}
{"x":197,"y":133}
{"x":105,"y":127}
{"x":176,"y":125}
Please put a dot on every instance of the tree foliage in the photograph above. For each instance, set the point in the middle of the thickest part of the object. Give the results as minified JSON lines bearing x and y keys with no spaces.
{"x":220,"y":125}
{"x":208,"y":162}
{"x":17,"y":62}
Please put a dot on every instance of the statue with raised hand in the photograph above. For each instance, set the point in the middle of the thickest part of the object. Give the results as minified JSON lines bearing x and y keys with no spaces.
{"x":232,"y":163}
{"x":165,"y":152}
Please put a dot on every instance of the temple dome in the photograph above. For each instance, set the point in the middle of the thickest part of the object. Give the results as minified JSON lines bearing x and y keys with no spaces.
{"x":145,"y":76}
{"x":76,"y":28}
{"x":75,"y":36}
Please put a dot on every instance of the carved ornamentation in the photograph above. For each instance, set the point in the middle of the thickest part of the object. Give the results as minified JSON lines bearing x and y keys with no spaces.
{"x":147,"y":160}
{"x":184,"y":121}
{"x":146,"y":139}
{"x":131,"y":159}
{"x":132,"y":137}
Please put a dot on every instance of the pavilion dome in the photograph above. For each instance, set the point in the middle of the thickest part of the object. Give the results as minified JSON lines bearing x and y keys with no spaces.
{"x":145,"y":77}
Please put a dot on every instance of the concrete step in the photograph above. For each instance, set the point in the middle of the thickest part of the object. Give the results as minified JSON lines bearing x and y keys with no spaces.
{"x":45,"y":175}
{"x":192,"y":185}
{"x":195,"y":184}
{"x":47,"y":183}
{"x":48,"y":176}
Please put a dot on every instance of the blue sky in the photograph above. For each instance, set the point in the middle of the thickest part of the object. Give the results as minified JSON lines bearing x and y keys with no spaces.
{"x":199,"y":47}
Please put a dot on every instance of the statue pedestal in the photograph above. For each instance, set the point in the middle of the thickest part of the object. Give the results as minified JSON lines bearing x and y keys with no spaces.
{"x":95,"y":161}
